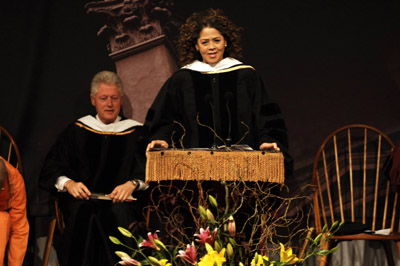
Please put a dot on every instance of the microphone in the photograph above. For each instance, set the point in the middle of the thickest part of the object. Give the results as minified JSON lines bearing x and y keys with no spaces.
{"x":208,"y":99}
{"x":228,"y":96}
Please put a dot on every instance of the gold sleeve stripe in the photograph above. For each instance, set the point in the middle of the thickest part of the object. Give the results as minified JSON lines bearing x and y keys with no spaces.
{"x":229,"y":69}
{"x":104,"y":133}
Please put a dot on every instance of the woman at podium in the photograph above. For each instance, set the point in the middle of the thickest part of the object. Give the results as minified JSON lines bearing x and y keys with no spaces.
{"x":215,"y":100}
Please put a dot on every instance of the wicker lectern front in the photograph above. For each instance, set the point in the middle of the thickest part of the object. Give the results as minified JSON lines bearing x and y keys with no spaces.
{"x":215,"y":165}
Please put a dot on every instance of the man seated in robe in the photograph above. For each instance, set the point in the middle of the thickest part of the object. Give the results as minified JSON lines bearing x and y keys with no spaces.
{"x":14,"y":226}
{"x":97,"y":154}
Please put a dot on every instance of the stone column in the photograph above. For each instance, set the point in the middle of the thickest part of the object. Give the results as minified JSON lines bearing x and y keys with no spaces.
{"x":141,"y":34}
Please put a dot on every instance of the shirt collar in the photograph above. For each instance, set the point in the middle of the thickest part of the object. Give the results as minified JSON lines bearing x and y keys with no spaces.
{"x":116,"y":120}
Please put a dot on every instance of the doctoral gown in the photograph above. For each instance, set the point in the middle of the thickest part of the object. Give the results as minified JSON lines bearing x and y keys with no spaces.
{"x":233,"y":103}
{"x":102,"y":161}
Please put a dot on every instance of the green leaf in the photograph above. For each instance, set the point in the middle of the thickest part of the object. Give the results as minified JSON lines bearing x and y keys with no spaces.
{"x":334,"y":249}
{"x":175,"y":251}
{"x":232,"y":241}
{"x":322,"y":252}
{"x":324,"y":228}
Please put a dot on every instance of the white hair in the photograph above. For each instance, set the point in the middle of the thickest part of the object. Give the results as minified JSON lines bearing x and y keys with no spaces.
{"x":107,"y":77}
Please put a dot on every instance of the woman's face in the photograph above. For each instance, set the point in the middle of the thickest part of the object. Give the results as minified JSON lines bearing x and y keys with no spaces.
{"x":211,"y":45}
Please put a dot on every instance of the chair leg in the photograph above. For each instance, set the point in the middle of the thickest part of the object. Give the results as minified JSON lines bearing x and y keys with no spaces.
{"x":398,"y":249}
{"x":49,"y":241}
{"x":388,"y":251}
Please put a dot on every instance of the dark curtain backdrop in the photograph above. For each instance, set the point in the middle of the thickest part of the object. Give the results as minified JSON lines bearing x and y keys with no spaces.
{"x":49,"y":52}
{"x":328,"y":63}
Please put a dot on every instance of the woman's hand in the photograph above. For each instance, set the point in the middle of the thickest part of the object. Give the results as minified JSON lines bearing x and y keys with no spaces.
{"x":269,"y":146}
{"x":77,"y":189}
{"x":122,"y":192}
{"x":157,"y":144}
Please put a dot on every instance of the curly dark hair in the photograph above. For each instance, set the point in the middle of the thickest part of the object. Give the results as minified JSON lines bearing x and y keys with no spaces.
{"x":213,"y":18}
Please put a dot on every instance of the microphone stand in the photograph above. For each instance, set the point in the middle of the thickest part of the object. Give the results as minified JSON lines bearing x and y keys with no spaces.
{"x":208,"y":99}
{"x":228,"y":97}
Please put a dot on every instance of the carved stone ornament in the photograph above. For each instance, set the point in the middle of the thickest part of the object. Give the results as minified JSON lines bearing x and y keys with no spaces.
{"x":131,"y":22}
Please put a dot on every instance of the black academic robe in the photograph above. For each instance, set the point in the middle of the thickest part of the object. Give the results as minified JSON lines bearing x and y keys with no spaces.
{"x":233,"y":103}
{"x":101,"y":161}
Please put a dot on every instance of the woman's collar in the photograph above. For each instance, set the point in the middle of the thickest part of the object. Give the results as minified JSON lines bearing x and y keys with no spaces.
{"x":204,"y":67}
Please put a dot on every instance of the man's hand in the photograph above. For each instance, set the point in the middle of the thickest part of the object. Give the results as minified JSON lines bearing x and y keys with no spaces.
{"x":122,"y":192}
{"x":157,"y":144}
{"x":269,"y":146}
{"x":77,"y":189}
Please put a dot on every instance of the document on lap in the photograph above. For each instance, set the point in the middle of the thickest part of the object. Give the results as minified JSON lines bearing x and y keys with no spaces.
{"x":102,"y":196}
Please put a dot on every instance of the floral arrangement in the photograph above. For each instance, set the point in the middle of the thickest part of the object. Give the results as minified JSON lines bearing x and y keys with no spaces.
{"x":218,"y":242}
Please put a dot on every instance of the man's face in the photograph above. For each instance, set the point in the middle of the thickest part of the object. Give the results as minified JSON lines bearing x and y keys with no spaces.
{"x":108,"y":102}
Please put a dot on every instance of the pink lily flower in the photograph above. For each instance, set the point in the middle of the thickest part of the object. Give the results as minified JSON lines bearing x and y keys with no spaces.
{"x":150,"y":242}
{"x":126,"y":259}
{"x":129,"y":261}
{"x":205,"y":236}
{"x":189,"y":255}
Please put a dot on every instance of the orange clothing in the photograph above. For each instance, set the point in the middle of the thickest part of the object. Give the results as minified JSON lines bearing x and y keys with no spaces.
{"x":14,"y":226}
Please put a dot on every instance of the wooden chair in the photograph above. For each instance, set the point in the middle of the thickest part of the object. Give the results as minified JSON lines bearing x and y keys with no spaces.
{"x":9,"y":149}
{"x":350,"y":186}
{"x":10,"y":152}
{"x":58,"y":221}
